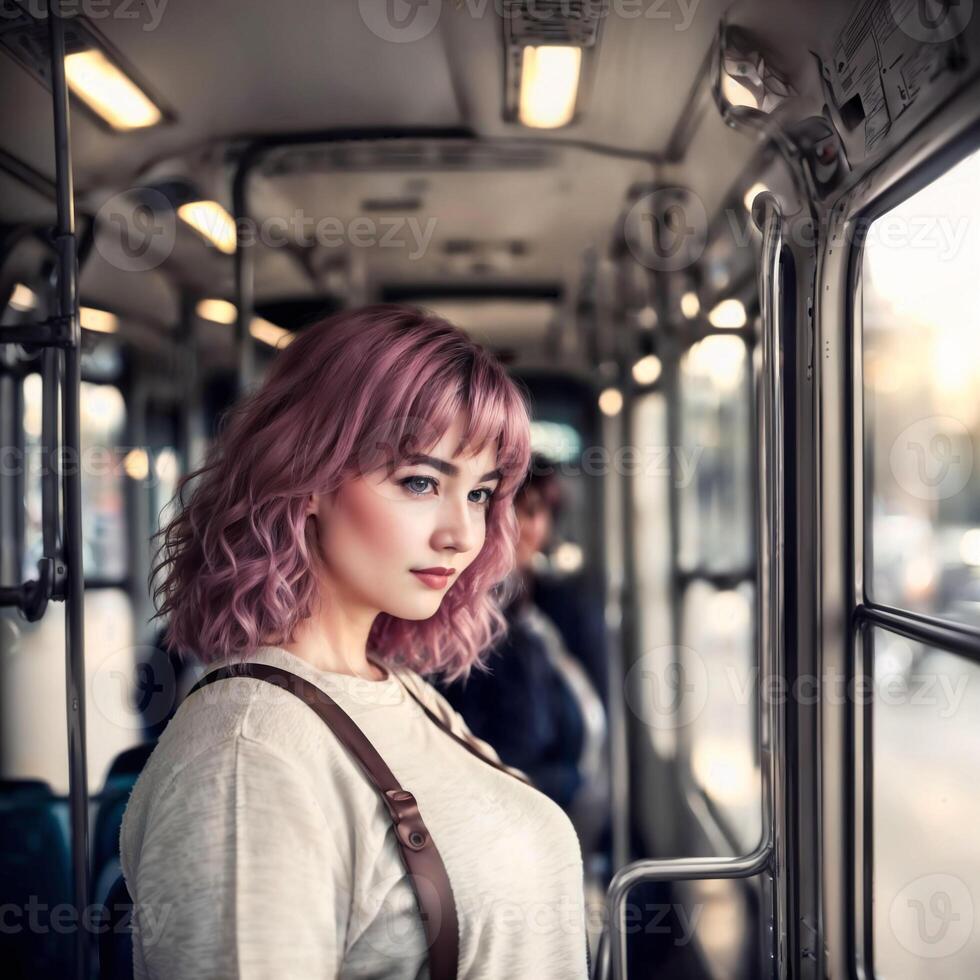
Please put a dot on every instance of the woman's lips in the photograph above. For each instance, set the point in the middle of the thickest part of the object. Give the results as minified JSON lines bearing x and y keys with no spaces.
{"x":432,"y":580}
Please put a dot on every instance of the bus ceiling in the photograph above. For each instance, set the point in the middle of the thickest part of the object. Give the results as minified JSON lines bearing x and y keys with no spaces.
{"x":432,"y":149}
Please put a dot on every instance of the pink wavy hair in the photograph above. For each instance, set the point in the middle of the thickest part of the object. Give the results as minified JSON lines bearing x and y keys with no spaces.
{"x":240,"y":556}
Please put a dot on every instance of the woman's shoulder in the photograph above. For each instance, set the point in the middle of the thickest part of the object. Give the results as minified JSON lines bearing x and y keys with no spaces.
{"x":246,"y":727}
{"x":210,"y":757}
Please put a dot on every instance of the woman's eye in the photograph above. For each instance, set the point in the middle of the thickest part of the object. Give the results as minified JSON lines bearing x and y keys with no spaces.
{"x":416,"y":486}
{"x":408,"y":483}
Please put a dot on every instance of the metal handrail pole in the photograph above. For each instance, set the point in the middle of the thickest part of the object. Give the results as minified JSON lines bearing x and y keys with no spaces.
{"x":74,"y":595}
{"x":245,"y":247}
{"x":767,"y":854}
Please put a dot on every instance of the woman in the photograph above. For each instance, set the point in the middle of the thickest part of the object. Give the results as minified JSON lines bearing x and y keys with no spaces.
{"x":383,"y":443}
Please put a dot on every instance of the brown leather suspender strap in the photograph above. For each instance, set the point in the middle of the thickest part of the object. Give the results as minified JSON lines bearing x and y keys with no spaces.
{"x":423,"y":862}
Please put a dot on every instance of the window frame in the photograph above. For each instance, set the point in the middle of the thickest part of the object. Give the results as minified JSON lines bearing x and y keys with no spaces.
{"x":865,"y":614}
{"x":927,"y":628}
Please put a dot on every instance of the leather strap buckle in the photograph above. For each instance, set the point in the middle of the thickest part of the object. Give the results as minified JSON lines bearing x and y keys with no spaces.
{"x":409,"y":826}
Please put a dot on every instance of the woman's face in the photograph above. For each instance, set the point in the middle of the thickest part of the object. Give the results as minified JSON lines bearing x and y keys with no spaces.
{"x":378,"y":528}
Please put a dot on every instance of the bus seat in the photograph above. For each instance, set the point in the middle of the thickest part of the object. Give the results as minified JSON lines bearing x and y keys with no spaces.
{"x":35,"y":868}
{"x":111,"y":803}
{"x":130,"y":761}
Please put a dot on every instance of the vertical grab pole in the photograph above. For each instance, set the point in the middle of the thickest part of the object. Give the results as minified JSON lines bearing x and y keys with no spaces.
{"x":768,"y":218}
{"x":768,"y":856}
{"x":67,"y":301}
{"x":244,"y":276}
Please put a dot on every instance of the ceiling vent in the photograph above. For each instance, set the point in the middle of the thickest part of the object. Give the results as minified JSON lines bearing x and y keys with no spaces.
{"x":24,"y":35}
{"x":573,"y":22}
{"x":406,"y":155}
{"x":26,"y":39}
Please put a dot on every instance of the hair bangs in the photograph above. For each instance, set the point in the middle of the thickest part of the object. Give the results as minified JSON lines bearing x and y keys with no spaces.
{"x":492,"y":415}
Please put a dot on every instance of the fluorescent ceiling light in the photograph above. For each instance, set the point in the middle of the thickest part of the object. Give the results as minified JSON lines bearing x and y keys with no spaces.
{"x":101,"y":321}
{"x":217,"y":310}
{"x":23,"y":298}
{"x":107,"y":91}
{"x":611,"y":402}
{"x":729,"y":314}
{"x":269,"y":333}
{"x":549,"y":85}
{"x":690,"y":305}
{"x":211,"y":220}
{"x":647,"y":369}
{"x":718,"y":358}
{"x":137,"y":464}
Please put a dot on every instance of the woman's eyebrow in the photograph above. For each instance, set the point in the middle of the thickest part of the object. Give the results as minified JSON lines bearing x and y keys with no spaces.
{"x":450,"y":469}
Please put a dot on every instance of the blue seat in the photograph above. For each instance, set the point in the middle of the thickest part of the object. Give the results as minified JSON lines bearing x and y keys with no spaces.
{"x":108,"y":885}
{"x":35,"y":876}
{"x":110,"y":806}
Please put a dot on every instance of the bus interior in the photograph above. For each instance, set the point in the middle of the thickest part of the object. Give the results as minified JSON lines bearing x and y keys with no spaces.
{"x":730,"y":248}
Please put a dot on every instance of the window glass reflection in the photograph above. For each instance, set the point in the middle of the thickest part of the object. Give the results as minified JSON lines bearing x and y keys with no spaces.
{"x":104,"y":461}
{"x":921,"y":322}
{"x":33,"y":715}
{"x":926,"y":854}
{"x":721,"y":691}
{"x":651,"y":501}
{"x":712,"y":467}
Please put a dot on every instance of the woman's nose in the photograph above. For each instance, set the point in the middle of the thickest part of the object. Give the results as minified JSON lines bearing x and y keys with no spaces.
{"x":457,"y":527}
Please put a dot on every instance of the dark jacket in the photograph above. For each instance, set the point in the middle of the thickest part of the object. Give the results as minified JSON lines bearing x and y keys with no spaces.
{"x":525,"y":710}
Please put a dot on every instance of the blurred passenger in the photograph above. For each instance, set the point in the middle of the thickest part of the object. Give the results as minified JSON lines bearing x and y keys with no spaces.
{"x":539,"y":707}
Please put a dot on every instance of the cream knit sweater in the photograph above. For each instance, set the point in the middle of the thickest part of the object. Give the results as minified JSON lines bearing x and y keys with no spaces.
{"x":254,"y":847}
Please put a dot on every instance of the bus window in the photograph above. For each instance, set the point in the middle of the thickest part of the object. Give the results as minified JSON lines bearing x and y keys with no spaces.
{"x":714,"y":462}
{"x":921,"y":312}
{"x":921,"y":424}
{"x":103,"y":425}
{"x":719,"y":650}
{"x":163,"y":487}
{"x":716,"y":549}
{"x":651,"y":496}
{"x":36,"y":703}
{"x":926,"y":861}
